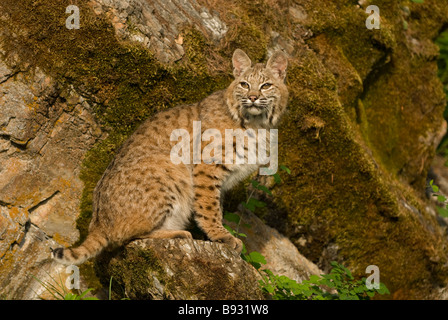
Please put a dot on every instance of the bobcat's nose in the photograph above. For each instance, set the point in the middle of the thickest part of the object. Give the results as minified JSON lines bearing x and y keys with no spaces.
{"x":253,"y":98}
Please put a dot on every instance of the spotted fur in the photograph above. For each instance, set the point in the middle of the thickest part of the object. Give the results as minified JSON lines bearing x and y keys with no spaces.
{"x":143,"y":194}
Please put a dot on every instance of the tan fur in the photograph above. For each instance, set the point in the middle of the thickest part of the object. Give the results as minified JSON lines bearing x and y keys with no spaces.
{"x":143,"y":194}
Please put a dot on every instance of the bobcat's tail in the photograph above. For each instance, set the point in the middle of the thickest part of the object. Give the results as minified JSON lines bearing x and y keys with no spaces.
{"x":92,"y":246}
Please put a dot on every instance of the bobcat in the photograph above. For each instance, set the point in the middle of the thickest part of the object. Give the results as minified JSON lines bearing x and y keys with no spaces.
{"x":143,"y":194}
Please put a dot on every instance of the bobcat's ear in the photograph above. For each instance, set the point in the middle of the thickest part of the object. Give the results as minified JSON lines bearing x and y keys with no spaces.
{"x":277,"y":64}
{"x":241,"y":62}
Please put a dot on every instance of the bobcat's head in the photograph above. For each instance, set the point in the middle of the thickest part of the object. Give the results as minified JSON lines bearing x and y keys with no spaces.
{"x":258,"y":95}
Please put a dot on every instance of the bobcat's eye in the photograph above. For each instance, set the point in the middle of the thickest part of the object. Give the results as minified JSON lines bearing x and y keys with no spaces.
{"x":266,"y":86}
{"x":245,"y":85}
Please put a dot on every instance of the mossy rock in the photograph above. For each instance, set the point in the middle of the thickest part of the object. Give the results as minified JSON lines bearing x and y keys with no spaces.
{"x":364,"y":113}
{"x":178,"y":269}
{"x":357,"y":189}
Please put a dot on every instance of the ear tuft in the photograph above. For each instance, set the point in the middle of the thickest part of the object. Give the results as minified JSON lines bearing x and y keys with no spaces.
{"x":241,"y":62}
{"x":277,"y":64}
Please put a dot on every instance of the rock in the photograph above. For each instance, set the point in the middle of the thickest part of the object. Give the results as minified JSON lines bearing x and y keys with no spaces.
{"x":178,"y":269}
{"x":440,"y":174}
{"x":158,"y":24}
{"x":43,"y":141}
{"x":281,"y":254}
{"x":365,"y":116}
{"x":164,"y":269}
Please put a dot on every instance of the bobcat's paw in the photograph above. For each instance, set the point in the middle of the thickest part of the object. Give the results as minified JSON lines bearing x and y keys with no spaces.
{"x":231,"y":241}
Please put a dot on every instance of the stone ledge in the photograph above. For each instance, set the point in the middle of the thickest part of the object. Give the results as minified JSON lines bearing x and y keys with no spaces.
{"x":180,"y":269}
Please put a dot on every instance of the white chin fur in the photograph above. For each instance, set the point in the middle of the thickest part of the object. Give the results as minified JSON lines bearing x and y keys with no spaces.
{"x":254,"y":111}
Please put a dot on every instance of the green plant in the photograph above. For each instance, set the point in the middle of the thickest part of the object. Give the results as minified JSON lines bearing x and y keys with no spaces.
{"x":254,"y":258}
{"x":443,"y":210}
{"x":81,"y":296}
{"x":339,"y":284}
{"x":59,"y":291}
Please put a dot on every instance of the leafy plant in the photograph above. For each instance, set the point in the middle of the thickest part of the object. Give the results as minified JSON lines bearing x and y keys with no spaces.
{"x":339,"y":284}
{"x":443,"y":211}
{"x":254,"y":258}
{"x":81,"y":296}
{"x":59,"y":291}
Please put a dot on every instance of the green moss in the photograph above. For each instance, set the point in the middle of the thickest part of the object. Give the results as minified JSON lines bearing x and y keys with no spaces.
{"x":341,"y":195}
{"x":337,"y":195}
{"x":250,"y":25}
{"x":133,"y":269}
{"x":393,"y":125}
{"x":339,"y":192}
{"x":251,"y":37}
{"x":94,"y":164}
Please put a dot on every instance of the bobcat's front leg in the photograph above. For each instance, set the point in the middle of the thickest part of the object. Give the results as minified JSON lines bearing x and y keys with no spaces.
{"x":208,"y":214}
